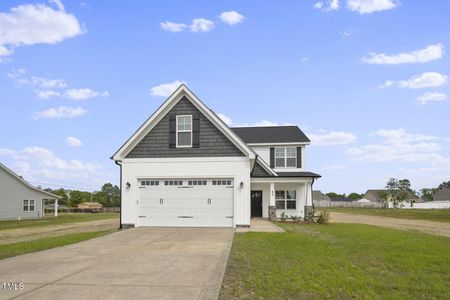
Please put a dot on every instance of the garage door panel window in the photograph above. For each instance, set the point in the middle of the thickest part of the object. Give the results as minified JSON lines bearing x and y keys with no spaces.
{"x":173,"y":182}
{"x":286,"y":199}
{"x":225,"y":182}
{"x":146,"y":183}
{"x":197,"y":182}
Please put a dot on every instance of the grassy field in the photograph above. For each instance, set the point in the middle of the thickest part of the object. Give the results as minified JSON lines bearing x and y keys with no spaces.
{"x":15,"y":249}
{"x":438,"y":215}
{"x":61,"y":219}
{"x":337,"y":261}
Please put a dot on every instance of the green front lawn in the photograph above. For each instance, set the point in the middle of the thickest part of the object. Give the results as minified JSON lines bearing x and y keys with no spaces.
{"x":337,"y":261}
{"x":9,"y":250}
{"x":439,"y":215}
{"x":61,"y":219}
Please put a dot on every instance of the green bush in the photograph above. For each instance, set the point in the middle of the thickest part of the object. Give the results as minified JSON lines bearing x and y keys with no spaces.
{"x":324,"y":217}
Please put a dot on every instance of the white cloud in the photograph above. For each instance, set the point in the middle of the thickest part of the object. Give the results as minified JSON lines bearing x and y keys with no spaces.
{"x":202,"y":25}
{"x":263,"y":123}
{"x":424,"y":80}
{"x":198,"y":25}
{"x":58,"y":4}
{"x":231,"y":17}
{"x":429,"y":53}
{"x":396,"y":136}
{"x":332,"y":138}
{"x":165,"y":89}
{"x":431,"y":97}
{"x":399,"y":146}
{"x":40,"y":166}
{"x":20,"y":78}
{"x":303,"y":59}
{"x":45,"y":94}
{"x":348,"y":32}
{"x":46,"y":158}
{"x":73,"y":141}
{"x":173,"y":27}
{"x":226,"y":119}
{"x":335,"y":168}
{"x":30,"y":24}
{"x":327,"y":6}
{"x":60,"y":112}
{"x":83,"y":94}
{"x":371,"y":6}
{"x":318,"y":5}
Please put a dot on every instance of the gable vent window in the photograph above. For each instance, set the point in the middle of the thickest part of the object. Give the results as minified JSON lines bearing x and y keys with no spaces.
{"x":173,"y":182}
{"x":184,"y":131}
{"x":286,"y":157}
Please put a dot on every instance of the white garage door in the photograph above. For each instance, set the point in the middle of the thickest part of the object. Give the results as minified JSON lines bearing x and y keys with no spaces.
{"x":186,"y":202}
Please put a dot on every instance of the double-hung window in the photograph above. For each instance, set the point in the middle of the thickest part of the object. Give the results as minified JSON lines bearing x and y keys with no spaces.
{"x":28,"y":205}
{"x":184,"y":131}
{"x":286,"y":199}
{"x":286,"y":157}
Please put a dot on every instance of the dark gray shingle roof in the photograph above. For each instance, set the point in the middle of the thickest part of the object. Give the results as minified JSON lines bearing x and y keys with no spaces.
{"x":442,"y":194}
{"x":298,"y":174}
{"x":271,"y":134}
{"x":318,"y":195}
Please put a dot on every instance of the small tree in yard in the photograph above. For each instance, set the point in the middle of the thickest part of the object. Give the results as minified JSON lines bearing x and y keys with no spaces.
{"x":396,"y":192}
{"x":324,"y":217}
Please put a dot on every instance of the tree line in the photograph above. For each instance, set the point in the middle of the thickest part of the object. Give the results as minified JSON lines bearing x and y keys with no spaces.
{"x":398,"y":188}
{"x":108,"y":196}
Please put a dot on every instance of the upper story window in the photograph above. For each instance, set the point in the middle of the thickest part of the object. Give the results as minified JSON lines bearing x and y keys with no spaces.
{"x":286,"y":157}
{"x":184,"y":131}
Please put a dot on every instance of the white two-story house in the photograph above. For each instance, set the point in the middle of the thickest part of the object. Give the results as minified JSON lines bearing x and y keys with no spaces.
{"x":185,"y":167}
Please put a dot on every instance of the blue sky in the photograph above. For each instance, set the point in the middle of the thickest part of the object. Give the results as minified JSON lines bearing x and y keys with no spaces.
{"x":366,"y":80}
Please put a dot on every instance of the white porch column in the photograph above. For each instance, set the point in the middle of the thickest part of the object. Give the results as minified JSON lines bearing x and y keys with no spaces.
{"x":56,"y":207}
{"x":308,"y":194}
{"x":272,"y":194}
{"x":272,"y":208}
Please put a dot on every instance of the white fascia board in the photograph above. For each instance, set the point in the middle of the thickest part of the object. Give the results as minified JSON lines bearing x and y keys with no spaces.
{"x":185,"y":159}
{"x":280,"y":180}
{"x":176,"y":96}
{"x":279,"y":144}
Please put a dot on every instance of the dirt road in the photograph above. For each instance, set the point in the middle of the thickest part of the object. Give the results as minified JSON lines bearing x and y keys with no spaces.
{"x":34,"y":233}
{"x":436,"y":228}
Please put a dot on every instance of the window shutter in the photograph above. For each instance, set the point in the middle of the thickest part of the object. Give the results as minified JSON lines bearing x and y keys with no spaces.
{"x":272,"y":157}
{"x":196,"y":131}
{"x":172,"y":131}
{"x":299,"y":157}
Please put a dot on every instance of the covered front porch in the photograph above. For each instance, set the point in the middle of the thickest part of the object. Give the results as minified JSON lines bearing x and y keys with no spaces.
{"x":275,"y":197}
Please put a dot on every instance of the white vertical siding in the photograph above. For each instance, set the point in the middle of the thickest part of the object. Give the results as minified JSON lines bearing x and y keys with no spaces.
{"x":12,"y":194}
{"x":237,"y":168}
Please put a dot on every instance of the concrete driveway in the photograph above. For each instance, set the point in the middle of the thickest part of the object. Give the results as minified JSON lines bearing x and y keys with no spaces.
{"x":140,"y":263}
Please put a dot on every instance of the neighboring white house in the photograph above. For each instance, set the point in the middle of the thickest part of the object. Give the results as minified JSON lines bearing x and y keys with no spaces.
{"x":185,"y":167}
{"x":19,"y":199}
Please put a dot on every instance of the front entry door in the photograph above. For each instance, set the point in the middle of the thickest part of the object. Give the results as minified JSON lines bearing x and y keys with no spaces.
{"x":256,"y":197}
